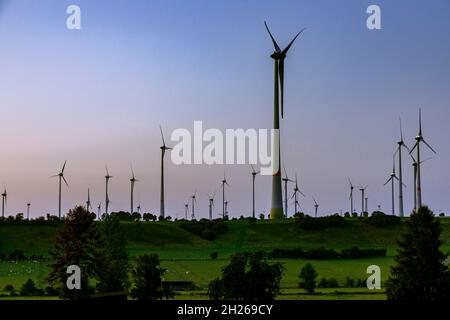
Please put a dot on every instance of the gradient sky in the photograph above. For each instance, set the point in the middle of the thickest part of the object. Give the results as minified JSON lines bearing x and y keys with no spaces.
{"x":96,"y":96}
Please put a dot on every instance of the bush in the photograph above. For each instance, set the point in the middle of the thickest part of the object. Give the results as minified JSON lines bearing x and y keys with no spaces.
{"x":51,"y":292}
{"x":309,"y":223}
{"x":205,"y":229}
{"x":29,"y":289}
{"x":17,"y":255}
{"x":215,"y":289}
{"x":9,"y":288}
{"x":321,"y":253}
{"x":379,"y":219}
{"x":349,"y":282}
{"x":214,"y":255}
{"x":355,"y":253}
{"x":328,"y":283}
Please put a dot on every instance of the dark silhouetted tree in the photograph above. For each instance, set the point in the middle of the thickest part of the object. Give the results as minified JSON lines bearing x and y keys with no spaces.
{"x":420,"y":272}
{"x":308,"y":277}
{"x":146,"y":276}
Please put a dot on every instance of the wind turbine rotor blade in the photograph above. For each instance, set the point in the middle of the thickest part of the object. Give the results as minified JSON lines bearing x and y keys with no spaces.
{"x":290,"y":44}
{"x":426,"y":143}
{"x":420,"y":121}
{"x":162,"y":136}
{"x":415,"y":146}
{"x":65,"y":181}
{"x":64,"y":166}
{"x":401,"y":130}
{"x":277,"y":48}
{"x":281,"y":76}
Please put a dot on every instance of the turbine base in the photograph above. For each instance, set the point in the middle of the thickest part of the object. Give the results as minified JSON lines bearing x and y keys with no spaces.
{"x":276,"y":213}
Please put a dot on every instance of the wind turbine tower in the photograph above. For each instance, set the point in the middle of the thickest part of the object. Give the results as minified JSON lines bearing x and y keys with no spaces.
{"x":163,"y":148}
{"x":351,"y":196}
{"x":4,"y":201}
{"x":254,"y":173}
{"x":133,"y":180}
{"x":316,"y":207}
{"x":107,"y":178}
{"x":419,"y":139}
{"x":401,"y":144}
{"x":276,"y":212}
{"x":286,"y":180}
{"x":28,"y":210}
{"x":392,"y":179}
{"x":224,"y":182}
{"x":61,"y":178}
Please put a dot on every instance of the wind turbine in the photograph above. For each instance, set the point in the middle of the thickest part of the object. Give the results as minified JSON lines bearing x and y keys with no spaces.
{"x":163,"y":152}
{"x":363,"y":190}
{"x":99,"y":211}
{"x":401,"y":144}
{"x":194,"y":201}
{"x":294,"y":195}
{"x":226,"y":207}
{"x":28,"y":210}
{"x":138,"y":208}
{"x":186,"y":210}
{"x":419,"y":139}
{"x":392,"y":178}
{"x":351,"y":195}
{"x":224,"y":182}
{"x":276,"y":212}
{"x":211,"y":205}
{"x":254,"y":173}
{"x":61,"y":177}
{"x":286,"y":180}
{"x":316,"y":207}
{"x":107,"y":177}
{"x":414,"y":164}
{"x":88,"y":202}
{"x":133,"y":180}
{"x":4,"y":201}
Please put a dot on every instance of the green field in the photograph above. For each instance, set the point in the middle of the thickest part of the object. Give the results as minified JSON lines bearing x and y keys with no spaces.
{"x":187,"y":256}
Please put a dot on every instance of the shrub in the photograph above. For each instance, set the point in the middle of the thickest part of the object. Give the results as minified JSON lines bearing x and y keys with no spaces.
{"x":205,"y":229}
{"x":214,"y":255}
{"x":29,"y":289}
{"x":355,"y":253}
{"x":328,"y":283}
{"x":308,"y":277}
{"x":349,"y":282}
{"x":215,"y":289}
{"x":51,"y":292}
{"x":17,"y":255}
{"x":309,"y":223}
{"x":8,"y":288}
{"x":321,"y":253}
{"x":379,"y":219}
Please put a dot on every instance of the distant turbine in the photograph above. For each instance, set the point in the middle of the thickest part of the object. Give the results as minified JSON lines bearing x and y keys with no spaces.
{"x":226,"y":208}
{"x":99,"y":211}
{"x":133,"y":180}
{"x":163,"y":152}
{"x":401,"y":144}
{"x":254,"y":173}
{"x":194,"y":201}
{"x":294,"y":195}
{"x":276,"y":212}
{"x":392,"y":179}
{"x":61,"y":177}
{"x":139,"y":208}
{"x":224,"y":182}
{"x":316,"y":207}
{"x":186,"y":210}
{"x":28,"y":210}
{"x":286,"y":180}
{"x":211,"y":205}
{"x":351,"y":195}
{"x":107,"y":177}
{"x":414,"y":164}
{"x":88,"y":202}
{"x":367,"y":205}
{"x":4,"y":202}
{"x":363,"y":190}
{"x":419,"y":139}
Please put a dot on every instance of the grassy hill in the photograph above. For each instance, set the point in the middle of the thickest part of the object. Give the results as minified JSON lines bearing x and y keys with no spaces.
{"x":186,"y":256}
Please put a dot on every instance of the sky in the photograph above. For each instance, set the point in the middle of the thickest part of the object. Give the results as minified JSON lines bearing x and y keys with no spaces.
{"x":97,"y":96}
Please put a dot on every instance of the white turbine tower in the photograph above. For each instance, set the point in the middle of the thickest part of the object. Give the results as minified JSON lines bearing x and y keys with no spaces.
{"x":163,"y":148}
{"x":88,"y":201}
{"x":286,"y":180}
{"x":316,"y":207}
{"x":419,"y":139}
{"x":363,"y":190}
{"x":294,"y":195}
{"x":4,"y":201}
{"x":351,"y":196}
{"x":99,"y":211}
{"x":107,"y":178}
{"x":224,"y":182}
{"x":254,"y":173}
{"x":401,"y":144}
{"x":194,"y":202}
{"x":133,"y":180}
{"x":392,"y":178}
{"x":61,"y":178}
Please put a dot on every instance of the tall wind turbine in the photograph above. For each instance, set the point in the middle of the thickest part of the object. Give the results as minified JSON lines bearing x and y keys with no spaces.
{"x":363,"y":190}
{"x":61,"y":178}
{"x":419,"y":139}
{"x":224,"y":182}
{"x":294,"y":195}
{"x":107,"y":177}
{"x":4,"y":201}
{"x":138,"y":208}
{"x":401,"y":144}
{"x":163,"y":152}
{"x":194,"y":202}
{"x":133,"y":180}
{"x":88,"y":202}
{"x":254,"y":173}
{"x":286,"y":180}
{"x":211,"y":205}
{"x":276,"y":212}
{"x":414,"y":164}
{"x":392,"y":179}
{"x":351,"y":196}
{"x":186,"y":210}
{"x":316,"y":207}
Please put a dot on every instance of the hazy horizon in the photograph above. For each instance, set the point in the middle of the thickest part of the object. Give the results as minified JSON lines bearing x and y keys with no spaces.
{"x":97,"y":96}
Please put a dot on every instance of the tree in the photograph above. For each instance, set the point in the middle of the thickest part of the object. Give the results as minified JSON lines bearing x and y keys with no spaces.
{"x":113,"y":275}
{"x":249,"y":277}
{"x":29,"y":289}
{"x":308,"y":277}
{"x":420,"y":272}
{"x":147,"y":275}
{"x":215,"y":289}
{"x":78,"y":243}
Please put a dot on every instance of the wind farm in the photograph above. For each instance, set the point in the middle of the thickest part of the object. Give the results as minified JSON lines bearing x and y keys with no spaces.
{"x":189,"y":162}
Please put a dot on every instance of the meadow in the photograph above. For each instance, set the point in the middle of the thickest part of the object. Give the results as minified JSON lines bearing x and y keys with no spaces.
{"x":186,"y":256}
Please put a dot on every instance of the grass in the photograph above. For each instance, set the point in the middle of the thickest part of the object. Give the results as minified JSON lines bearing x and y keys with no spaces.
{"x":187,"y":256}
